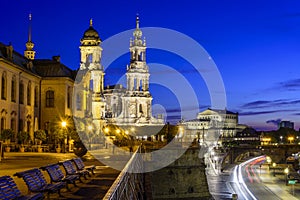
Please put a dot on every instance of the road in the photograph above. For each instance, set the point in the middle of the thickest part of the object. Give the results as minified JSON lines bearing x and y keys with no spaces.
{"x":251,"y":180}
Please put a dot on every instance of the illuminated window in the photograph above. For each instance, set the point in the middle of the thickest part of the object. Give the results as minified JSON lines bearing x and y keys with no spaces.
{"x":50,"y":98}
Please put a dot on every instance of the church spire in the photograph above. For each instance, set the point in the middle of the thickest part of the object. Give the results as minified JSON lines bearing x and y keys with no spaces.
{"x":29,"y":53}
{"x":137,"y":21}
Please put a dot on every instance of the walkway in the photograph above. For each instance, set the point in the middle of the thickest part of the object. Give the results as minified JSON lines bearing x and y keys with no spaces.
{"x":93,"y":188}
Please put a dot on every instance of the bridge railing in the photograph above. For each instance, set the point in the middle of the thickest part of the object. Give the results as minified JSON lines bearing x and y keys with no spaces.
{"x":129,"y":185}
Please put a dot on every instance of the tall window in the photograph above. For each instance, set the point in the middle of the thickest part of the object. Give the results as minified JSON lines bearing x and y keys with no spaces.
{"x":13,"y":89}
{"x":50,"y":98}
{"x":2,"y":124}
{"x":21,"y":93}
{"x":3,"y":86}
{"x":36,"y":96}
{"x":21,"y":125}
{"x":28,"y":126}
{"x":69,"y":97}
{"x":78,"y":101}
{"x":29,"y":93}
{"x":13,"y":124}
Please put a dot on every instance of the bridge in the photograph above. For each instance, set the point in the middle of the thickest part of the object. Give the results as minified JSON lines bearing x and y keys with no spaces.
{"x":278,"y":153}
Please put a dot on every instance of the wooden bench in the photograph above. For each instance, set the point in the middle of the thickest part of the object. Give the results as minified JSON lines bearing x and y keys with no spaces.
{"x":71,"y":169}
{"x":80,"y":165}
{"x":57,"y":176}
{"x":36,"y":182}
{"x":9,"y":190}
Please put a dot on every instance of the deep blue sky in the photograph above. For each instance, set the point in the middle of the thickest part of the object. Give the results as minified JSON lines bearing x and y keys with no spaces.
{"x":255,"y":44}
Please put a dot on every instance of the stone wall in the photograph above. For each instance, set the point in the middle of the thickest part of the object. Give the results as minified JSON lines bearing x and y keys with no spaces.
{"x":183,"y":179}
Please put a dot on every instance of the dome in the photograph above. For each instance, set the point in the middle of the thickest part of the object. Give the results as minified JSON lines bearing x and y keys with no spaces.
{"x":91,"y":35}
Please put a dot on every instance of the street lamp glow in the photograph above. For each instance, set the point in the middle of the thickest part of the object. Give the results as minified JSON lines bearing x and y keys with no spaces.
{"x":126,"y":132}
{"x":118,"y":131}
{"x":269,"y":160}
{"x":291,"y":139}
{"x":286,"y":170}
{"x":106,"y":130}
{"x":63,"y":124}
{"x":90,"y":127}
{"x":274,"y":164}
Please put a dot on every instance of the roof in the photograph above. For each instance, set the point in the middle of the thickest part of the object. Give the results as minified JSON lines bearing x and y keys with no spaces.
{"x":222,"y":111}
{"x":52,"y":68}
{"x":7,"y":53}
{"x":198,"y":120}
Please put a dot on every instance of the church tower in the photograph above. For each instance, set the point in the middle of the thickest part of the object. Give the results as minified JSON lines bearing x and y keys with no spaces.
{"x":29,"y":53}
{"x":137,"y":100}
{"x":91,"y":85}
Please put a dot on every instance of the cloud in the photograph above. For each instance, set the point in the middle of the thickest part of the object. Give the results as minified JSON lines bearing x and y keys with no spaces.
{"x":274,"y":121}
{"x":257,"y":112}
{"x":291,"y":85}
{"x":270,"y":103}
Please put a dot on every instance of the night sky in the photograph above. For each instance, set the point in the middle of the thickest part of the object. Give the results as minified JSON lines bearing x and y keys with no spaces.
{"x":254,"y":44}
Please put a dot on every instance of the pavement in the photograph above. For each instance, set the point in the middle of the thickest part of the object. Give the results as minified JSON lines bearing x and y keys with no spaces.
{"x":276,"y":184}
{"x":93,"y":188}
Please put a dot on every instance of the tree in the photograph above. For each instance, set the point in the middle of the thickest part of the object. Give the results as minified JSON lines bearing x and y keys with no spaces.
{"x":40,"y":135}
{"x":23,"y":137}
{"x":7,"y":134}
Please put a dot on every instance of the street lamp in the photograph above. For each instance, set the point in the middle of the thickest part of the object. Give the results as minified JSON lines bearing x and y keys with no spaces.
{"x":281,"y":138}
{"x":286,"y":171}
{"x":64,"y":126}
{"x":291,"y":139}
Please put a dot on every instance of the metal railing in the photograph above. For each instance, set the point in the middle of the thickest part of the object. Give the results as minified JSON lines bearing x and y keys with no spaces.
{"x":129,"y":185}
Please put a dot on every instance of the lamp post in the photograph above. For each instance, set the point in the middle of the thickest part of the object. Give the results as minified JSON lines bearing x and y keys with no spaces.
{"x":64,"y":126}
{"x":281,"y":139}
{"x":286,"y":171}
{"x":90,"y":128}
{"x":274,"y":165}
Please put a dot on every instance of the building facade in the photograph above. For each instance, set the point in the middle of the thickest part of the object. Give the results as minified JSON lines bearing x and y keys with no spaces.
{"x":210,"y":125}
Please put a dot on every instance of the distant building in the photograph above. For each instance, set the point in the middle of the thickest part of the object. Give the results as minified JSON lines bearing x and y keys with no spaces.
{"x":211,"y":124}
{"x":286,"y":124}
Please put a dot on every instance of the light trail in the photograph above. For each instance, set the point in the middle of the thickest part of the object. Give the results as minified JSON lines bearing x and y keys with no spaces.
{"x":238,"y":178}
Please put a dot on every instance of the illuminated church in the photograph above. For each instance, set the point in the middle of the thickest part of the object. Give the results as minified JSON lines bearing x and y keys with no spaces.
{"x":130,"y":106}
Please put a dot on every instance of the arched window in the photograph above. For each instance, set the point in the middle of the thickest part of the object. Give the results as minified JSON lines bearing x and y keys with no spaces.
{"x":3,"y":86}
{"x":36,"y":96}
{"x":13,"y":89}
{"x":50,"y":98}
{"x":29,"y":93}
{"x":21,"y":93}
